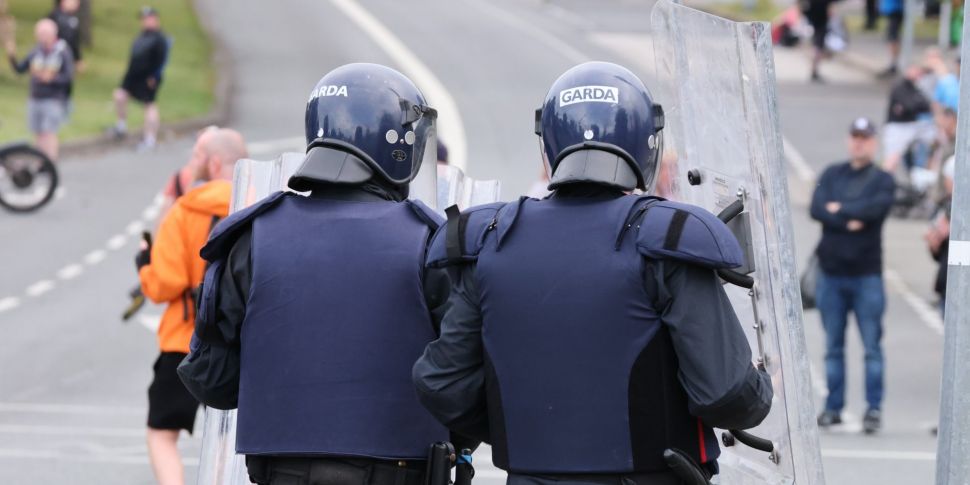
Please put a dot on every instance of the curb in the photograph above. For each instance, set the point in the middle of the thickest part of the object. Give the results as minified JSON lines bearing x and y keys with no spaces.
{"x":218,"y":115}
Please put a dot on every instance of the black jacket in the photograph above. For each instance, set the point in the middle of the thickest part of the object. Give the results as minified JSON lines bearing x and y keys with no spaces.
{"x":149,"y":52}
{"x":866,"y":195}
{"x":906,"y":103}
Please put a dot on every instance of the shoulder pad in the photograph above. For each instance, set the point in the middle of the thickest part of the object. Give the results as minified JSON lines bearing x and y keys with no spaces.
{"x":426,"y":214}
{"x":684,"y":232}
{"x":472,"y":226}
{"x":224,"y":235}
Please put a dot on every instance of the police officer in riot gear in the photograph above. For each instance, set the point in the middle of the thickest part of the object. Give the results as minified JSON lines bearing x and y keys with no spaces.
{"x":315,"y":307}
{"x":588,"y":332}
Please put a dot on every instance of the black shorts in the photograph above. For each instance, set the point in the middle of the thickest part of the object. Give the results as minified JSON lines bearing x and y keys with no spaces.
{"x":894,"y":26}
{"x":820,"y":28}
{"x":170,"y":405}
{"x":137,"y":87}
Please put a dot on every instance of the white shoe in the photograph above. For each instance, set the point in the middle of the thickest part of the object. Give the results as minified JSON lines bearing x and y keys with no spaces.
{"x":146,"y":145}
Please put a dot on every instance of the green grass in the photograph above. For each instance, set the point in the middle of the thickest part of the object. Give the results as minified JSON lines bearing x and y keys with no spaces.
{"x":186,"y":90}
{"x":766,"y":10}
{"x":763,"y":10}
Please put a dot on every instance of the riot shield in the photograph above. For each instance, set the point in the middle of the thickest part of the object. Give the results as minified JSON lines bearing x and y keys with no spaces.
{"x":716,"y":82}
{"x":219,"y":464}
{"x":252,"y":181}
{"x":454,"y":187}
{"x":440,"y":186}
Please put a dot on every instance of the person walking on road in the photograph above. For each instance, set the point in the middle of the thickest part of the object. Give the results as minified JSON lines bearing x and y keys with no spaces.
{"x":170,"y":271}
{"x":852,"y":201}
{"x":69,"y":28}
{"x":51,"y":68}
{"x":149,"y":53}
{"x":893,"y":11}
{"x":818,"y":14}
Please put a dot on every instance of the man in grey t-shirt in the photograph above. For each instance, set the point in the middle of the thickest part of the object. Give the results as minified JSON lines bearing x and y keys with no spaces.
{"x":51,"y":68}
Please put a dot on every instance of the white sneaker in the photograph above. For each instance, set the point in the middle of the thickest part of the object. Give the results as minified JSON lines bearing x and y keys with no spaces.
{"x":146,"y":145}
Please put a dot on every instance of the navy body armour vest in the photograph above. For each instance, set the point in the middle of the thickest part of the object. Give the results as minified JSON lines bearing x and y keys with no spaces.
{"x":336,"y":317}
{"x":581,"y":373}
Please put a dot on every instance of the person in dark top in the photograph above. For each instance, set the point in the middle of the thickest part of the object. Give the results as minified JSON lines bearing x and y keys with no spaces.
{"x":938,"y":235}
{"x":69,"y":27}
{"x":894,"y":11}
{"x":315,"y":307}
{"x":818,"y":14}
{"x":576,"y":350}
{"x":909,"y":118}
{"x":149,"y":53}
{"x":852,"y":200}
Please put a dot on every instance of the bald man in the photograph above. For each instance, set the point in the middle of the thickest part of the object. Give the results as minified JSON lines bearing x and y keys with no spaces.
{"x":170,"y":271}
{"x":51,"y":68}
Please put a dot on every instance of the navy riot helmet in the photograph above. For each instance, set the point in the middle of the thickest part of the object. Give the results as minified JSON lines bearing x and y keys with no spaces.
{"x":599,"y":124}
{"x":363,"y":122}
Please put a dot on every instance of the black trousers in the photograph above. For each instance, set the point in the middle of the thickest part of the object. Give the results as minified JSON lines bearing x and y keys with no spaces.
{"x":284,"y":470}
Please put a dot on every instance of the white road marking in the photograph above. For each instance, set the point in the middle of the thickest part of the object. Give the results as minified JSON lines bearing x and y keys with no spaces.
{"x":79,"y":409}
{"x":879,"y":454}
{"x":112,"y":459}
{"x":927,"y":314}
{"x":803,"y":170}
{"x":70,"y":272}
{"x":60,"y":192}
{"x":275,"y":147}
{"x":449,"y":118}
{"x":95,"y":257}
{"x":9,"y":303}
{"x":39,"y":288}
{"x":541,"y":35}
{"x":47,"y":430}
{"x":117,"y":242}
{"x":134,"y":228}
{"x":74,"y":270}
{"x":150,"y":213}
{"x":150,"y":321}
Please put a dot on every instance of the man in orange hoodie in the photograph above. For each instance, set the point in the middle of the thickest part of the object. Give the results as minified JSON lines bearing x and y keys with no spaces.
{"x":169,"y":272}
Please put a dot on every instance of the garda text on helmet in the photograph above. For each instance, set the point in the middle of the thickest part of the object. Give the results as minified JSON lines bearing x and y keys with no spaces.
{"x":588,"y":94}
{"x":328,"y":91}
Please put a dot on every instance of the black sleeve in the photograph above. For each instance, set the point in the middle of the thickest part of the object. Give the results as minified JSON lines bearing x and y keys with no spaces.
{"x":437,"y":286}
{"x":450,"y":375}
{"x":822,"y":196}
{"x":723,"y":387}
{"x":159,"y":56}
{"x":211,"y":371}
{"x":21,"y":66}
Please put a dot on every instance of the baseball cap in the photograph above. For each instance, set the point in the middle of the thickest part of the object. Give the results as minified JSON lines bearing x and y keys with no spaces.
{"x":863,"y":127}
{"x":147,"y":11}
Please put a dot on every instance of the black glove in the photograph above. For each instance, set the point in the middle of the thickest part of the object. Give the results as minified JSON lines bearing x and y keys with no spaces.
{"x":143,"y":258}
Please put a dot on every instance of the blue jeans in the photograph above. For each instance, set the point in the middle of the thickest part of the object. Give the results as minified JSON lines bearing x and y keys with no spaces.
{"x":866,"y":298}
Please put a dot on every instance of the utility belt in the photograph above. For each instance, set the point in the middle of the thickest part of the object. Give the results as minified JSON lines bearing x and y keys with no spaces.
{"x":442,"y":458}
{"x":338,"y":471}
{"x":436,"y":470}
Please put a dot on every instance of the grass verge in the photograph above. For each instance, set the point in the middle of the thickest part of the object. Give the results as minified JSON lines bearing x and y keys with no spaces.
{"x":766,"y":10}
{"x":186,"y":91}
